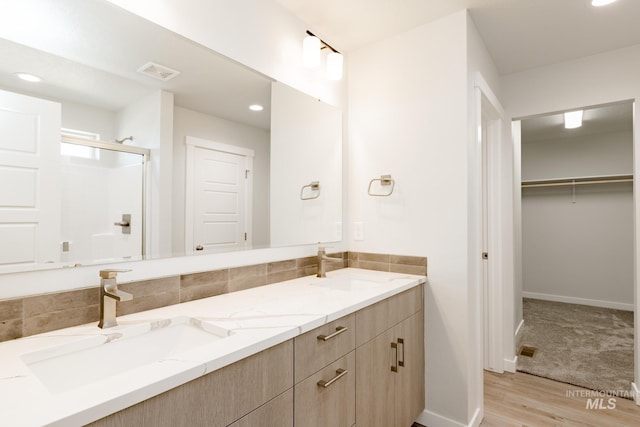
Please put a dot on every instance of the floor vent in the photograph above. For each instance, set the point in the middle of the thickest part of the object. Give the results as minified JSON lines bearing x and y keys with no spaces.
{"x":157,"y":71}
{"x":527,"y":351}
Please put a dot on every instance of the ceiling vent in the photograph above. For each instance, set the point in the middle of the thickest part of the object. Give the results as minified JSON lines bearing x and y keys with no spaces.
{"x":157,"y":71}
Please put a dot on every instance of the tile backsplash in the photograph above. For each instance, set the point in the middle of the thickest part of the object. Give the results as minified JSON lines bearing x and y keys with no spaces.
{"x":22,"y":317}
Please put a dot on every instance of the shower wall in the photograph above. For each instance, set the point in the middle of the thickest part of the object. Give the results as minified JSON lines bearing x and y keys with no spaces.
{"x":94,"y":197}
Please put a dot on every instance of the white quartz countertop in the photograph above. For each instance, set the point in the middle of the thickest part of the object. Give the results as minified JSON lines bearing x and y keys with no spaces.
{"x":252,"y":320}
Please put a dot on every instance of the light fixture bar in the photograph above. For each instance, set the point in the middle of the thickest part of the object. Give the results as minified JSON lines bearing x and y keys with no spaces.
{"x":322,"y":42}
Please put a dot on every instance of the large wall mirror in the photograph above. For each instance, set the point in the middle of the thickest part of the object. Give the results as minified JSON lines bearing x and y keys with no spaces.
{"x":235,"y":160}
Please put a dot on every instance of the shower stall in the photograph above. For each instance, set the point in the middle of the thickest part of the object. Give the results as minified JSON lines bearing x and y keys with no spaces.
{"x":102,"y":201}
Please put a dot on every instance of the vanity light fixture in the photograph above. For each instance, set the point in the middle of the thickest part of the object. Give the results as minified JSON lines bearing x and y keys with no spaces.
{"x":334,"y":66}
{"x":311,"y":47}
{"x":598,"y":3}
{"x":573,"y":119}
{"x":256,"y":107}
{"x":28,"y":77}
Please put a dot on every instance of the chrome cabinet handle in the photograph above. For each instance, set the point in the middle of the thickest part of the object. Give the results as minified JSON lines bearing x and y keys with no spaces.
{"x":339,"y":330}
{"x":394,"y":368}
{"x":401,"y":362}
{"x":339,"y":374}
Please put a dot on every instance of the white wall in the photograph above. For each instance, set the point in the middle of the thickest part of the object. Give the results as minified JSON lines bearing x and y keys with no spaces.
{"x":192,"y":123}
{"x":579,"y":252}
{"x":597,"y":154}
{"x":150,"y":122}
{"x":608,"y":77}
{"x":409,"y":116}
{"x":89,"y":119}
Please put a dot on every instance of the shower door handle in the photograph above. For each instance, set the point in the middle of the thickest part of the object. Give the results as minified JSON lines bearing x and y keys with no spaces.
{"x":125,"y":223}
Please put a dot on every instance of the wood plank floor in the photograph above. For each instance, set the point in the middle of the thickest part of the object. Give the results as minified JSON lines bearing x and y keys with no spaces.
{"x":525,"y":400}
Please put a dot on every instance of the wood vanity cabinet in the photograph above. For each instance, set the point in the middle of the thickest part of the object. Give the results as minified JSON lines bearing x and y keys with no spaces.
{"x":390,"y":366}
{"x":221,"y":397}
{"x":277,"y":412}
{"x":337,"y":375}
{"x":325,"y":387}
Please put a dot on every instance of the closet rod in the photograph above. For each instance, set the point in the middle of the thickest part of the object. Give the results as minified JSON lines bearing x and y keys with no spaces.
{"x":575,"y":182}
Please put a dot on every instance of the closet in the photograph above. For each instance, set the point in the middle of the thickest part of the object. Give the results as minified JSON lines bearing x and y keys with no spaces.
{"x":577,"y":208}
{"x":577,"y":249}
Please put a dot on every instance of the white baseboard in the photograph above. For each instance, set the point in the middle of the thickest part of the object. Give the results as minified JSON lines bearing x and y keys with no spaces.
{"x":519,"y":331}
{"x":429,"y":418}
{"x":583,"y":301}
{"x":510,"y":365}
{"x":636,"y":393}
{"x":478,"y":415}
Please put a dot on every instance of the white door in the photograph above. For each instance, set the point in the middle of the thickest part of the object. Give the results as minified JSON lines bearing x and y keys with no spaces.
{"x":29,"y":181}
{"x":219,"y":203}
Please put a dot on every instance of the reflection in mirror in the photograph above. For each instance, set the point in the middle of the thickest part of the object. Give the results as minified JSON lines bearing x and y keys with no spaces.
{"x":102,"y":199}
{"x":105,"y":70}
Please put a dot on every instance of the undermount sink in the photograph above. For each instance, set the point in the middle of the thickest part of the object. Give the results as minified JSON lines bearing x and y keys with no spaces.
{"x":122,"y":349}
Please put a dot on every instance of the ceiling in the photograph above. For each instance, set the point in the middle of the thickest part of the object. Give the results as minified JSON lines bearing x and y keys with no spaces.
{"x":519,"y":34}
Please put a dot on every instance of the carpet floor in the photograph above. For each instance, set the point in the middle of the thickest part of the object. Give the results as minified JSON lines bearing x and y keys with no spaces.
{"x":591,"y":347}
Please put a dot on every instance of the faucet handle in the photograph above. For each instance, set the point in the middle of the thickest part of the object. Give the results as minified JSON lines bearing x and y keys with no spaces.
{"x":112,"y":274}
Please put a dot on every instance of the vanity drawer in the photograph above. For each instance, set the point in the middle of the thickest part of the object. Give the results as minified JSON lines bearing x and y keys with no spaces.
{"x":327,"y":398}
{"x":405,"y":305}
{"x":321,"y":346}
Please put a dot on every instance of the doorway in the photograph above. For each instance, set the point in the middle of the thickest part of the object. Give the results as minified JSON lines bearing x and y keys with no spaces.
{"x":578,"y":248}
{"x":494,"y":262}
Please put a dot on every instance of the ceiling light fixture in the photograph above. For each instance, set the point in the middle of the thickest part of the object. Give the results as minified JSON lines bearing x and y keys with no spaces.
{"x":256,"y":107}
{"x":311,"y":47}
{"x":573,"y":119}
{"x":28,"y":77}
{"x":598,"y":3}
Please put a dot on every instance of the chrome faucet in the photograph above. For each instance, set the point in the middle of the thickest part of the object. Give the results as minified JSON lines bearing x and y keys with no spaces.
{"x":109,"y":295}
{"x":322,"y":258}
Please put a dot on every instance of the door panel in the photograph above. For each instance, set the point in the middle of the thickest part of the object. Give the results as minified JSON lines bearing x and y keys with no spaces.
{"x":29,"y":169}
{"x":220,"y":199}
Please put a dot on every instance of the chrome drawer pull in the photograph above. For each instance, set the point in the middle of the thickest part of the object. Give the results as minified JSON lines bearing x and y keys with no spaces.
{"x":339,"y":374}
{"x":339,"y":330}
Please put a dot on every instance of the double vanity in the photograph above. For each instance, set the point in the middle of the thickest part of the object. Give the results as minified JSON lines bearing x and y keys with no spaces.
{"x":343,"y":350}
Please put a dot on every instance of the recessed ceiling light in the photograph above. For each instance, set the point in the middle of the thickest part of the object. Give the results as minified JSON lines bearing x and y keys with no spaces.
{"x":28,"y":77}
{"x":573,"y":119}
{"x":599,"y":3}
{"x":256,"y":107}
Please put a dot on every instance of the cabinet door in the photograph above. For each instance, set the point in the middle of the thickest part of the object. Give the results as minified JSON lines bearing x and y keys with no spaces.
{"x":321,"y":403}
{"x":409,"y":396}
{"x":375,"y":382}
